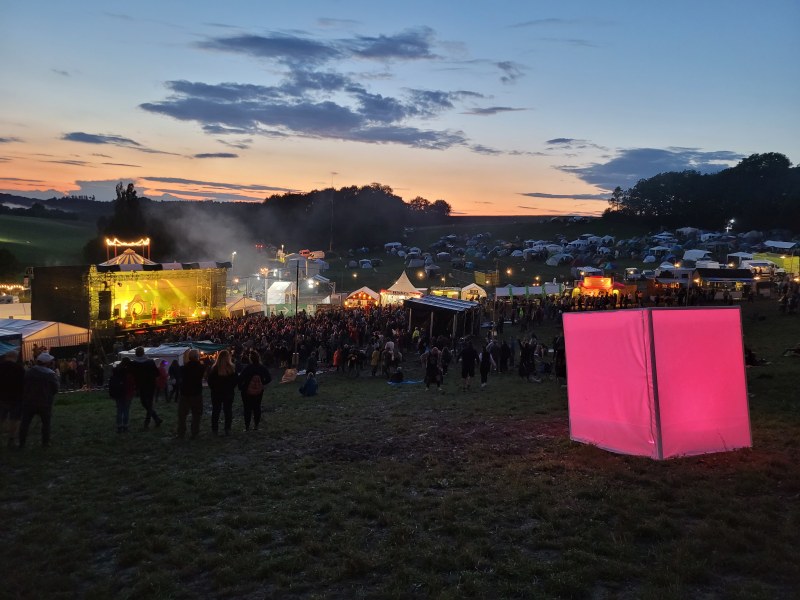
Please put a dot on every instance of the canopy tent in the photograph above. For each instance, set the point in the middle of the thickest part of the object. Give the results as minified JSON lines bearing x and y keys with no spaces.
{"x":44,"y":334}
{"x":160,"y":353}
{"x":473,"y":292}
{"x":243,"y":306}
{"x":444,"y":316}
{"x":400,"y":290}
{"x":639,"y":397}
{"x":280,"y":292}
{"x":363,"y":297}
{"x":513,"y":291}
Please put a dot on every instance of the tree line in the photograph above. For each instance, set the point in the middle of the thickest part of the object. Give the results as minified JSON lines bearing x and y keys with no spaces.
{"x":761,"y":192}
{"x":343,"y":218}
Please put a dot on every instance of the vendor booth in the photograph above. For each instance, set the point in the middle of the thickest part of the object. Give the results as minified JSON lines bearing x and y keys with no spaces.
{"x":669,"y":382}
{"x":363,"y":297}
{"x":473,"y":292}
{"x":596,"y":286}
{"x":401,"y":290}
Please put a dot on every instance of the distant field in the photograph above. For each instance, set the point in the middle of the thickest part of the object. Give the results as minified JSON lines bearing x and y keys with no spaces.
{"x":45,"y":242}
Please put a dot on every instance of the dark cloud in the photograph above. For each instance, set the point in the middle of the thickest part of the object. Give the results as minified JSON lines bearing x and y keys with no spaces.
{"x":216,"y":155}
{"x":113,"y":140}
{"x":574,"y":144}
{"x":18,"y":180}
{"x":60,"y":72}
{"x":4,"y":159}
{"x":9,"y":140}
{"x":122,"y":165}
{"x":491,"y":110}
{"x":216,"y":184}
{"x":566,"y":196}
{"x":75,"y":163}
{"x":629,"y":166}
{"x":481,"y":149}
{"x":300,"y":110}
{"x":313,"y":100}
{"x":97,"y":138}
{"x":286,"y":49}
{"x":178,"y":194}
{"x":510,"y":71}
{"x":240,"y":145}
{"x":412,"y":44}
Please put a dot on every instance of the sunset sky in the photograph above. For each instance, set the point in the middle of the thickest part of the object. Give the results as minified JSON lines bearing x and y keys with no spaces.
{"x":498,"y":108}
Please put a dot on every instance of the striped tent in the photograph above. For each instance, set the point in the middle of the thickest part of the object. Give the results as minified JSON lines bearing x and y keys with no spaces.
{"x":129,"y":257}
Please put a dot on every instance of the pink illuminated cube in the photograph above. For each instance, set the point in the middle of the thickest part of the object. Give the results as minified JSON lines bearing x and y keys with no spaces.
{"x":657,"y":382}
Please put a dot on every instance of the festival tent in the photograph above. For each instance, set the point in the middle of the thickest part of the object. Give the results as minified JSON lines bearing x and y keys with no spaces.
{"x":280,"y":292}
{"x":473,"y":292}
{"x":243,"y":306}
{"x":362,"y":297}
{"x":46,"y":334}
{"x":400,"y":290}
{"x":639,"y":397}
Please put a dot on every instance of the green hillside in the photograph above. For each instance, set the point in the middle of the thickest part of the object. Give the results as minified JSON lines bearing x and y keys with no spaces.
{"x":38,"y":242}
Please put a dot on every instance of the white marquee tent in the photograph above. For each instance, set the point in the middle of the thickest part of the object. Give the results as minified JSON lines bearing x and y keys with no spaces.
{"x":47,"y":334}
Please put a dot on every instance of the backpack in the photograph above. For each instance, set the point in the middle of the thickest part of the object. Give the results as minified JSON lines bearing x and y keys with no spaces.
{"x":255,"y":386}
{"x":116,"y":385}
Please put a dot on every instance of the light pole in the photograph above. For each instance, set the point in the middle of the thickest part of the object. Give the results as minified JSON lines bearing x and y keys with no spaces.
{"x":330,"y":246}
{"x":296,"y":355}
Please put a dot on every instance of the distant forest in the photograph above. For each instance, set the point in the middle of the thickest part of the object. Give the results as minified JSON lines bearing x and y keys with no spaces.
{"x":342,"y":218}
{"x":761,"y":192}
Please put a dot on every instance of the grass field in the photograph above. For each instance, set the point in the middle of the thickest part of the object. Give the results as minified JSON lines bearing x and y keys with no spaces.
{"x":45,"y":242}
{"x":374,"y":491}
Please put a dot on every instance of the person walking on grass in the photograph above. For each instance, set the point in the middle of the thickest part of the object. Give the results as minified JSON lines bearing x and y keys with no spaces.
{"x":192,"y":373}
{"x":486,"y":363}
{"x":145,"y":372}
{"x":252,"y":381}
{"x":222,"y":380}
{"x":122,"y":387}
{"x":40,"y":387}
{"x":432,"y":361}
{"x":468,"y":357}
{"x":12,"y":386}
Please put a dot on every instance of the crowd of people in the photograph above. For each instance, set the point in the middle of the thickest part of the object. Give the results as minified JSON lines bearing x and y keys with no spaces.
{"x":345,"y":342}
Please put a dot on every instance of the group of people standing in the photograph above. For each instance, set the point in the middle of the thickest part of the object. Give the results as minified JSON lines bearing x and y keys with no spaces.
{"x":25,"y":394}
{"x":140,"y":374}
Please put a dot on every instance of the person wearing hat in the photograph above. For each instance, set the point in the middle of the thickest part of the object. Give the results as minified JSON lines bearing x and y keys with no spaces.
{"x":12,"y":380}
{"x":39,"y":388}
